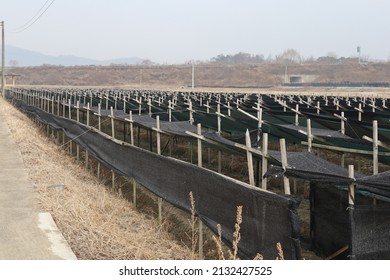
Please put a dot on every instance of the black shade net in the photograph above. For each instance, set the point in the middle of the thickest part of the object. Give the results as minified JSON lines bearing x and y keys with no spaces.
{"x":268,"y":218}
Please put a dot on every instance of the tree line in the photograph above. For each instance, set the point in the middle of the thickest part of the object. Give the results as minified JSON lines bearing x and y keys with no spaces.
{"x":289,"y":56}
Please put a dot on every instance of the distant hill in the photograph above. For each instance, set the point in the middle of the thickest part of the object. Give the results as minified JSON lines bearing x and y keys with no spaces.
{"x":24,"y":57}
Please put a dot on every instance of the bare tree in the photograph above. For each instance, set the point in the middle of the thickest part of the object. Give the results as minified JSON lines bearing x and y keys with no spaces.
{"x":289,"y":56}
{"x":13,"y":63}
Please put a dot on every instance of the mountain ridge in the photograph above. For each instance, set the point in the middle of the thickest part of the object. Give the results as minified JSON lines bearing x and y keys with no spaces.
{"x":16,"y":56}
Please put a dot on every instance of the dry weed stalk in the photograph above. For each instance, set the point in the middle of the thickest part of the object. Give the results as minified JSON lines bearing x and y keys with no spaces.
{"x":218,"y":243}
{"x":258,"y":257}
{"x":280,"y":251}
{"x":237,"y":234}
{"x":194,"y":234}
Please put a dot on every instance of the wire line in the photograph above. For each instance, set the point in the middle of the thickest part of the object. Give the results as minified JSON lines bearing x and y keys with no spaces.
{"x":24,"y":27}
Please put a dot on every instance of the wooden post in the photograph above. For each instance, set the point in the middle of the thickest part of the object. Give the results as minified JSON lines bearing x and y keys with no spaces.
{"x":318,"y":107}
{"x":170,"y":110}
{"x":259,"y":119}
{"x":264,"y":162}
{"x":63,"y":107}
{"x":86,"y":150}
{"x":351,"y":202}
{"x":351,"y":187}
{"x":88,"y":109}
{"x":158,"y":135}
{"x":309,"y":136}
{"x":191,"y":112}
{"x":113,"y":179}
{"x":360,"y":111}
{"x":78,"y":120}
{"x":70,"y":117}
{"x":219,"y":117}
{"x":58,"y":105}
{"x":219,"y":161}
{"x":296,"y":115}
{"x":99,"y":117}
{"x":199,"y":131}
{"x":135,"y":192}
{"x":249,"y":158}
{"x":159,"y":200}
{"x":112,"y":122}
{"x":130,"y":120}
{"x":375,"y":146}
{"x":100,"y":129}
{"x":52,"y":104}
{"x":283,"y":153}
{"x":150,"y":106}
{"x":70,"y":109}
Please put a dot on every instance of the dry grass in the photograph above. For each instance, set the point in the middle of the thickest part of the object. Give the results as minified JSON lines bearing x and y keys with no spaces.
{"x":280,"y":251}
{"x":237,"y":234}
{"x":236,"y":239}
{"x":194,"y":232}
{"x":96,"y":222}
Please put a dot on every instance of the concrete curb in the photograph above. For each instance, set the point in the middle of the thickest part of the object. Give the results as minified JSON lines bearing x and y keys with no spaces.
{"x":59,"y":246}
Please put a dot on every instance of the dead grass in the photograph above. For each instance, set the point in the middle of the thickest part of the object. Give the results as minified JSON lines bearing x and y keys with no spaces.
{"x":96,"y":222}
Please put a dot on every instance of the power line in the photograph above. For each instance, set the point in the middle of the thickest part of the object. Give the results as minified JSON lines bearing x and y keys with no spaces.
{"x":37,"y":16}
{"x":31,"y":19}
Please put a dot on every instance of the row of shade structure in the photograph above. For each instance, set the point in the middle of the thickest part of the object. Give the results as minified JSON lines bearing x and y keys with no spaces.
{"x":242,"y":123}
{"x":358,"y":125}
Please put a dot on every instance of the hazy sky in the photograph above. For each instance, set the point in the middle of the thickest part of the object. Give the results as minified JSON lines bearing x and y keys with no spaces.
{"x":175,"y":31}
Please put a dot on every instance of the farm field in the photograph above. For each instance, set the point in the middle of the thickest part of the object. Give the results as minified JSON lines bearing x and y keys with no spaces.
{"x":282,"y":155}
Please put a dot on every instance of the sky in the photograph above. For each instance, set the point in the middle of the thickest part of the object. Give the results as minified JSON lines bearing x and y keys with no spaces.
{"x":176,"y":31}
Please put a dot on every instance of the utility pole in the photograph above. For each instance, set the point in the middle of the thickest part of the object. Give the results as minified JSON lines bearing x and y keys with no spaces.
{"x":358,"y":50}
{"x":2,"y":59}
{"x":285,"y":75}
{"x":193,"y":74}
